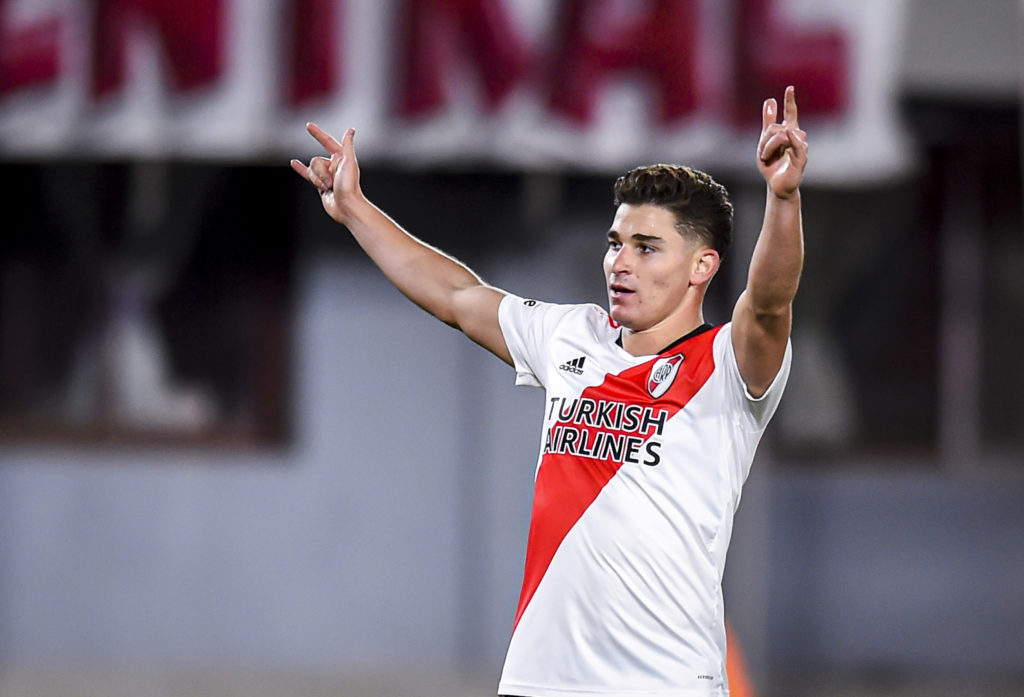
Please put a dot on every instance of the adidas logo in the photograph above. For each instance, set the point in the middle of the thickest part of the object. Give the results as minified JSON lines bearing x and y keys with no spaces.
{"x":575,"y":366}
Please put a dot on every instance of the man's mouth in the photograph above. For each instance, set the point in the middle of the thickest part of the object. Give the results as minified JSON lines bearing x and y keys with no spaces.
{"x":619,"y":291}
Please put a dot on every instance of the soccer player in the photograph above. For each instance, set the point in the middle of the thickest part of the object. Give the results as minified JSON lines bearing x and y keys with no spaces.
{"x":651,"y":419}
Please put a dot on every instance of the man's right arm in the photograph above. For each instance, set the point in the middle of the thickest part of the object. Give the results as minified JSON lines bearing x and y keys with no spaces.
{"x":438,"y":283}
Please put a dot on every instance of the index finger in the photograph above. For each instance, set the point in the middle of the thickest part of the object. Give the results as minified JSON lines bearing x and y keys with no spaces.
{"x":789,"y":113}
{"x":768,"y":110}
{"x":331,"y":145}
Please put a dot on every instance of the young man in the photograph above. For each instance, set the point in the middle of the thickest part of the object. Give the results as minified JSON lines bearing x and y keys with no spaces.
{"x":651,"y":419}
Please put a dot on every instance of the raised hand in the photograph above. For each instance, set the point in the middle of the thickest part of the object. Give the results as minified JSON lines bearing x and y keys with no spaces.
{"x":782,"y":148}
{"x":336,"y":176}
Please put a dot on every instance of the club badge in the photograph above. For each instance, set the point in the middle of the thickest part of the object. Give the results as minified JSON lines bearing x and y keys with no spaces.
{"x":663,"y":372}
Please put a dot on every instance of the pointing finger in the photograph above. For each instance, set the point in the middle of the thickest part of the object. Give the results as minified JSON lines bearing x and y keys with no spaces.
{"x":768,"y":111}
{"x":789,"y":112}
{"x":325,"y":139}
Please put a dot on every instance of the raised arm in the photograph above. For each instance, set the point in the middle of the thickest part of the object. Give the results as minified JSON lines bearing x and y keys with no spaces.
{"x":430,"y":278}
{"x":763,"y":316}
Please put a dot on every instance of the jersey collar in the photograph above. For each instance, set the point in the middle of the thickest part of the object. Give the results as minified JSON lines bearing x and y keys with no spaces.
{"x":699,"y":330}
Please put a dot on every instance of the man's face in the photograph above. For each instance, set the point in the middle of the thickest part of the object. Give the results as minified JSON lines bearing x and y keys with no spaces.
{"x":647,"y":266}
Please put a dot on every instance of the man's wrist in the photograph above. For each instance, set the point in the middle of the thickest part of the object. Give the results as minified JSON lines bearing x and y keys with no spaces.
{"x":785,"y":196}
{"x":354,"y":208}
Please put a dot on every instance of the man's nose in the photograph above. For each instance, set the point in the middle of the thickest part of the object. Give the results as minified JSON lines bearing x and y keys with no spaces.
{"x":621,"y":262}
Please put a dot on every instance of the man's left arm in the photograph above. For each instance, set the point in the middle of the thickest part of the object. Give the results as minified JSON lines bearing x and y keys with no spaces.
{"x":763,"y":316}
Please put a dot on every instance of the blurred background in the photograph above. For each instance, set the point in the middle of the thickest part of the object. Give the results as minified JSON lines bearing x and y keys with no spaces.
{"x":233,"y":460}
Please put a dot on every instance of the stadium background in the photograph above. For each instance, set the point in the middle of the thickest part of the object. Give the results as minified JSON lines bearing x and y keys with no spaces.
{"x":234,"y":460}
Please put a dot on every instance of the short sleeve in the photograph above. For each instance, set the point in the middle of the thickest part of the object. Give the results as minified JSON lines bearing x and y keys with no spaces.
{"x":758,"y":410}
{"x":527,"y":326}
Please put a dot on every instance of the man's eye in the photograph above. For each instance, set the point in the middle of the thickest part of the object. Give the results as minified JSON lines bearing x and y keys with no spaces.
{"x":612,"y":244}
{"x":646,"y":248}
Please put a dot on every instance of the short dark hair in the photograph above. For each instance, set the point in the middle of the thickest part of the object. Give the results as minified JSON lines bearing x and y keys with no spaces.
{"x":700,"y":204}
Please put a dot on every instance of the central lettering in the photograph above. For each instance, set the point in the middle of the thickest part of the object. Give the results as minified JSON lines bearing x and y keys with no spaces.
{"x":606,"y":430}
{"x":610,"y":415}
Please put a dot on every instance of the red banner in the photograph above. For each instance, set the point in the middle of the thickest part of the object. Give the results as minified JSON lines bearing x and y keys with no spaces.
{"x":568,"y":84}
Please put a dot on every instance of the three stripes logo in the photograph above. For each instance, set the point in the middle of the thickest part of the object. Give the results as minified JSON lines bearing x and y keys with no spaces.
{"x":575,"y":366}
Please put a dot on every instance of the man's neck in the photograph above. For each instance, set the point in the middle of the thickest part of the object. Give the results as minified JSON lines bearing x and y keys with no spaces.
{"x":649,"y":342}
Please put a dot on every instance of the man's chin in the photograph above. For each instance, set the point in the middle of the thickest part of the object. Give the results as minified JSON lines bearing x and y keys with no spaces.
{"x":620,"y":318}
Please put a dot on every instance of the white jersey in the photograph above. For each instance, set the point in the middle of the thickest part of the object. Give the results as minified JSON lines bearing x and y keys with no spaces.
{"x":641,"y":465}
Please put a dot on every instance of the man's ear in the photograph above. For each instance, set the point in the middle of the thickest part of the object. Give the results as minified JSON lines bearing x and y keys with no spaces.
{"x":705,"y":265}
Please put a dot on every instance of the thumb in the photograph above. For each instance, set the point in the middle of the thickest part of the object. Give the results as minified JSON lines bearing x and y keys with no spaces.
{"x":348,"y":143}
{"x":347,"y":161}
{"x":345,"y":151}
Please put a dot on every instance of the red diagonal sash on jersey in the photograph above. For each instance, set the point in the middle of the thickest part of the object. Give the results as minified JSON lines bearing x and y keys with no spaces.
{"x":567,"y":484}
